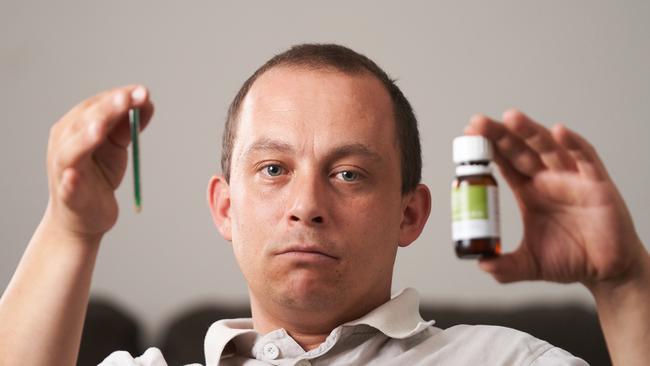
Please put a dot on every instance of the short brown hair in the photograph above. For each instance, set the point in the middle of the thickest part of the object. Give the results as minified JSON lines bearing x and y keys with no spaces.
{"x":343,"y":59}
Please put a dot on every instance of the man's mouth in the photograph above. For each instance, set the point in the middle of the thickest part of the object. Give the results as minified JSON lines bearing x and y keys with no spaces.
{"x":309,"y":252}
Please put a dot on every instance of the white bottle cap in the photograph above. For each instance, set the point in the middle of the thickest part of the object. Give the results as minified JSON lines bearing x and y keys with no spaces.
{"x":472,"y":148}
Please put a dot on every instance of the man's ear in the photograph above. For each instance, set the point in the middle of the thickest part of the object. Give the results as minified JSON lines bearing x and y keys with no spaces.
{"x":219,"y":202}
{"x":416,"y":207}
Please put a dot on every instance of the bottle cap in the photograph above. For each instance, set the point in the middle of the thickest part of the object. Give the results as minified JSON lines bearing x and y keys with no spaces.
{"x":472,"y":148}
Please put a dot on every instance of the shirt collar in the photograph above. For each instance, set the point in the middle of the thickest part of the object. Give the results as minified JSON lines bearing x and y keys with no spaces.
{"x":398,"y":318}
{"x":219,"y":336}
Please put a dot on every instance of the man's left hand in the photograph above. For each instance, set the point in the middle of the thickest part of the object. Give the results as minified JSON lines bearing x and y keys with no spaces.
{"x":576,"y":225}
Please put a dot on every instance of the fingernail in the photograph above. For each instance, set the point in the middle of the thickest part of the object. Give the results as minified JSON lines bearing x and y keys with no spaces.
{"x":138,"y":94}
{"x":119,"y":100}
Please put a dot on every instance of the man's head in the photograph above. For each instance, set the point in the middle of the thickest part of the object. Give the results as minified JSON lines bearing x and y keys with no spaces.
{"x":337,"y":58}
{"x":314,"y":201}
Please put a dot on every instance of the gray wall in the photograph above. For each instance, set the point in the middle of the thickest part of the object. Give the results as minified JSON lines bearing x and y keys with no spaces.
{"x":585,"y":63}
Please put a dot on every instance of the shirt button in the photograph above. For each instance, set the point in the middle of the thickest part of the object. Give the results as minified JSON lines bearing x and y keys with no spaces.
{"x":303,"y":363}
{"x":271,"y":351}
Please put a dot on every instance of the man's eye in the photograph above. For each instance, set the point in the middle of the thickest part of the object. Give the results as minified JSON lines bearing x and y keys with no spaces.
{"x":273,"y":170}
{"x":348,"y":176}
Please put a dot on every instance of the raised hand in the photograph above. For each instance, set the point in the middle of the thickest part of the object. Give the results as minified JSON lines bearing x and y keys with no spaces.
{"x":87,"y":159}
{"x":576,"y":225}
{"x":44,"y":305}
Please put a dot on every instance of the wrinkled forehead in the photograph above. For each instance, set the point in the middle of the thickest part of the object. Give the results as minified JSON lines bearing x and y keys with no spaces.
{"x":321,"y":105}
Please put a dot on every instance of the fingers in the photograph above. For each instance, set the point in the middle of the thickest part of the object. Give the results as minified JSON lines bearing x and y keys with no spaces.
{"x":520,"y":156}
{"x":524,"y":147}
{"x":511,"y":267}
{"x":101,"y":118}
{"x":581,"y":151}
{"x":511,"y":175}
{"x":111,"y":112}
{"x":121,"y":133}
{"x":539,"y":139}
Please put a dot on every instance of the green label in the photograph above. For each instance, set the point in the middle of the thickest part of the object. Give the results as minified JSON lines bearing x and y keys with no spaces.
{"x":469,"y":202}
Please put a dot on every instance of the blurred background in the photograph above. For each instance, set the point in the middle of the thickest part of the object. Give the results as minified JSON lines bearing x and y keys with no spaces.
{"x":583,"y":63}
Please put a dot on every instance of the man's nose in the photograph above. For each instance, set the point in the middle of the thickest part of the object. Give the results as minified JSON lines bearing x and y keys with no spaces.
{"x":308,"y":206}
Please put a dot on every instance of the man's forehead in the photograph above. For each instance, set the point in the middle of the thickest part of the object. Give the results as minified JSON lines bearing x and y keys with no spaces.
{"x":282,"y":87}
{"x":315,"y":107}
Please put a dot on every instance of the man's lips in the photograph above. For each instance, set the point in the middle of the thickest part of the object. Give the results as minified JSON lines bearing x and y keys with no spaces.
{"x":307,"y":250}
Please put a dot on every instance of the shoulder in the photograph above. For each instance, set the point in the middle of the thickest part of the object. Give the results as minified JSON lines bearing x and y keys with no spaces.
{"x":482,"y":333}
{"x":495,"y":345}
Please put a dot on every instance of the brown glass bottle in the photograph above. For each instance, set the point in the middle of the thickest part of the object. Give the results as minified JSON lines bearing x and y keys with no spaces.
{"x":474,"y":200}
{"x":481,"y":247}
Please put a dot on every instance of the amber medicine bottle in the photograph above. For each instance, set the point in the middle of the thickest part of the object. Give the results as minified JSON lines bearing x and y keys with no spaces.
{"x":474,"y":200}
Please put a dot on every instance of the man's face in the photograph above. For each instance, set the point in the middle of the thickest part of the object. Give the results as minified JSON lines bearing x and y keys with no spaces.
{"x":315,"y":188}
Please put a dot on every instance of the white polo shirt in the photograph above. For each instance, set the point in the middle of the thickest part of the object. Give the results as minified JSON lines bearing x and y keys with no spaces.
{"x":392,"y":334}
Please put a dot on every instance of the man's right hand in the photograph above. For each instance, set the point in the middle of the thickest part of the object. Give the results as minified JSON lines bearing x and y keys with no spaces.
{"x":87,"y":158}
{"x":44,"y":305}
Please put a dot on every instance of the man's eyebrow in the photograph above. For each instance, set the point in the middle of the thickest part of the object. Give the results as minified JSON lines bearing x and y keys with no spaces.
{"x":353,"y":149}
{"x":338,"y":152}
{"x":267,"y":145}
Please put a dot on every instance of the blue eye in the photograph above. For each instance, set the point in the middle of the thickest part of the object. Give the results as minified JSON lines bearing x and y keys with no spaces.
{"x":273,"y":170}
{"x":348,"y":176}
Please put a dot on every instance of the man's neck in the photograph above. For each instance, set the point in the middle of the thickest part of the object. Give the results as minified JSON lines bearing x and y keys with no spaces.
{"x":307,"y":327}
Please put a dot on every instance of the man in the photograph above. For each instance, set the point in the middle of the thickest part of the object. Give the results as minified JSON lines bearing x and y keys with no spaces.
{"x":320,"y":186}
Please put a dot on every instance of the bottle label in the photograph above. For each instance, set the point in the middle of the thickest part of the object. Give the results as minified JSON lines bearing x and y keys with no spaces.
{"x":474,"y":212}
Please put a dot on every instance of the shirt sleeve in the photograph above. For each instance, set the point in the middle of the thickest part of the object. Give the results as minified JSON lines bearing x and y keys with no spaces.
{"x":555,"y":356}
{"x":151,"y":357}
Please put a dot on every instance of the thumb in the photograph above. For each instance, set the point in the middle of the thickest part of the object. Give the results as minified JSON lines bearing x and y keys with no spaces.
{"x":511,"y":267}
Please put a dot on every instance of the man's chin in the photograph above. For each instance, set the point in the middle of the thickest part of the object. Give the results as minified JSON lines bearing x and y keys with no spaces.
{"x":308,"y":291}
